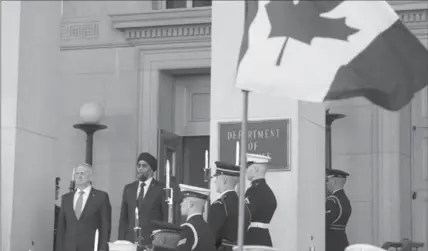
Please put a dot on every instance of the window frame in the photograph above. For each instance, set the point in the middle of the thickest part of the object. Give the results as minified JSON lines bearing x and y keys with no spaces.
{"x":161,"y":5}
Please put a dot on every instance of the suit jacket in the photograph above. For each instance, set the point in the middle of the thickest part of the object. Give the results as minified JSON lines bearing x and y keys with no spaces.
{"x":151,"y":207}
{"x":79,"y":235}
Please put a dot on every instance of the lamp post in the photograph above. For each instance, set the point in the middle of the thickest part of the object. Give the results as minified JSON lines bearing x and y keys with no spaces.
{"x":90,"y":115}
{"x":329,"y":119}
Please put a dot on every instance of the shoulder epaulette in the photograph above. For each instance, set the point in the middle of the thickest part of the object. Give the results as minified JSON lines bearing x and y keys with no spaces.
{"x":218,"y":202}
{"x":333,"y":198}
{"x":195,"y":234}
{"x":336,"y":201}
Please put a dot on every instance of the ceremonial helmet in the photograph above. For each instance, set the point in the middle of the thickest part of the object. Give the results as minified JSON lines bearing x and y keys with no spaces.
{"x":166,"y":235}
{"x":365,"y":247}
{"x":122,"y":245}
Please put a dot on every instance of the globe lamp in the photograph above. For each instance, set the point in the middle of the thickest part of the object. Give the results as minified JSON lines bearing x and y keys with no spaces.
{"x":91,"y":113}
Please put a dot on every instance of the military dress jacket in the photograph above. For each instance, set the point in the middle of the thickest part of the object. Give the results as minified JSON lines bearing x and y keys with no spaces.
{"x":338,"y":212}
{"x":223,"y":218}
{"x":196,"y":235}
{"x":262,"y":203}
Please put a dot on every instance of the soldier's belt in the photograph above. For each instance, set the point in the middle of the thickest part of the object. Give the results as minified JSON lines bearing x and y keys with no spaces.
{"x":259,"y":225}
{"x":337,"y":227}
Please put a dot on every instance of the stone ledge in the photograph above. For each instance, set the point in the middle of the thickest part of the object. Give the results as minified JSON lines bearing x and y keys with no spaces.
{"x":414,"y":16}
{"x":166,"y":25}
{"x":169,"y":31}
{"x":416,"y":21}
{"x":408,"y":5}
{"x":158,"y":18}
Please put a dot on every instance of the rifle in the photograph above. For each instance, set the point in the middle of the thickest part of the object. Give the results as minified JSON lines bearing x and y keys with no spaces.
{"x":169,"y":193}
{"x":207,"y":178}
{"x":73,"y":182}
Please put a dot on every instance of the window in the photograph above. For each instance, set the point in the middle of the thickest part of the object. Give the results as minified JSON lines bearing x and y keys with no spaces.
{"x":177,"y":4}
{"x":201,"y":3}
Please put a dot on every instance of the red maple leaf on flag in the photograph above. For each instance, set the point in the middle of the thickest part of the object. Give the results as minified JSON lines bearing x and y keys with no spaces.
{"x":303,"y":21}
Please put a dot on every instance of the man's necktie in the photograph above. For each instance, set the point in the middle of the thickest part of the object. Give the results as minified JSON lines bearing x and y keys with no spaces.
{"x":79,"y":204}
{"x":141,"y":195}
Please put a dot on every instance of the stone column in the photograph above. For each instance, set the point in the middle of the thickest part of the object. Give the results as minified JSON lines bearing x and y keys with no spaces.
{"x":310,"y":201}
{"x":391,"y":156}
{"x":30,"y":56}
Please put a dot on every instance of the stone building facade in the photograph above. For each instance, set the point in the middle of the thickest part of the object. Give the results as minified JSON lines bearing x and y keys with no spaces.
{"x":153,"y":66}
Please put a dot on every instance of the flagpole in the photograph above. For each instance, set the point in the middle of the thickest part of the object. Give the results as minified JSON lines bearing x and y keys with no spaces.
{"x":243,"y":158}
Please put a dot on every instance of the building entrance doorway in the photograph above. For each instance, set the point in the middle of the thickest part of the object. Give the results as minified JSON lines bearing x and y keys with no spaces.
{"x":183,"y":134}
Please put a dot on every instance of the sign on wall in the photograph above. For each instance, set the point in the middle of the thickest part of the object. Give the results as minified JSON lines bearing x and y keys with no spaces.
{"x":267,"y":137}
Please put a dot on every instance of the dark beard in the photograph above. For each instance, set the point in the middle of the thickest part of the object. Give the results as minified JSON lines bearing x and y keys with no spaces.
{"x":142,"y":177}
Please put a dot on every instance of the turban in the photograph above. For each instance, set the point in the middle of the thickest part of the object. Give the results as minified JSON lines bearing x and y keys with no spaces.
{"x":147,"y":157}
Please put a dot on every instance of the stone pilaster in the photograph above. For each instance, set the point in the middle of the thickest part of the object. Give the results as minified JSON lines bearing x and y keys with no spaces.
{"x":30,"y":59}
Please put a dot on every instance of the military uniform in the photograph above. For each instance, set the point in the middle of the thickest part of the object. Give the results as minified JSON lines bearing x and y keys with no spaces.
{"x":196,"y":234}
{"x":261,"y":201}
{"x":224,"y":212}
{"x":338,"y":212}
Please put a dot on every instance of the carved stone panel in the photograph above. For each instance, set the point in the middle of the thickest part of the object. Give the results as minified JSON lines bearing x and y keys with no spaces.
{"x":71,"y":31}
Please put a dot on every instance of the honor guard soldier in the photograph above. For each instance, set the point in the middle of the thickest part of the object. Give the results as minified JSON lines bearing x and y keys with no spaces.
{"x":196,"y":234}
{"x":260,"y":200}
{"x":224,"y":212}
{"x":338,"y":210}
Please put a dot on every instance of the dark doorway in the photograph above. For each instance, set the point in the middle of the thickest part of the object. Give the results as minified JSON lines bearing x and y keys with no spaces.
{"x":186,"y":156}
{"x":194,"y":160}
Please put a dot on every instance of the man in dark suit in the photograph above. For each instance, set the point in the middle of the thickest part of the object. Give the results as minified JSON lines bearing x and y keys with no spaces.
{"x":148,"y":196}
{"x":196,"y":234}
{"x":261,"y":201}
{"x":82,"y":213}
{"x":338,"y":211}
{"x":223,"y":215}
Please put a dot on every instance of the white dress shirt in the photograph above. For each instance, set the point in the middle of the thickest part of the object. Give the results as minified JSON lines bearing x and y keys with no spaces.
{"x":146,"y":186}
{"x":86,"y":192}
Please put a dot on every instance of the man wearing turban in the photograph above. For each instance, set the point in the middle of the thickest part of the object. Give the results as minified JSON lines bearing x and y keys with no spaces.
{"x":145,"y":194}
